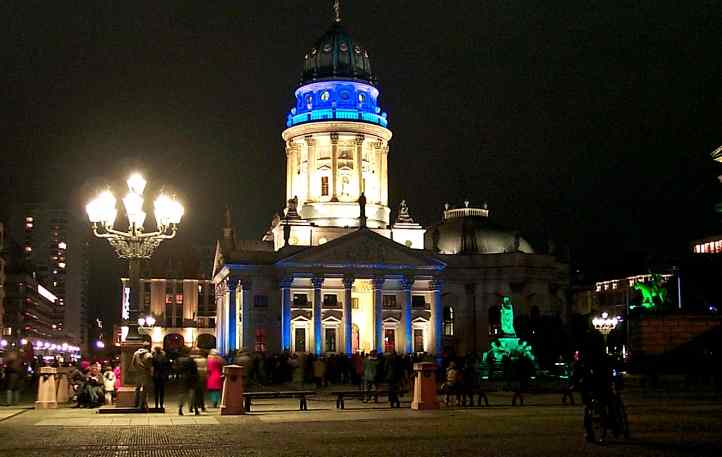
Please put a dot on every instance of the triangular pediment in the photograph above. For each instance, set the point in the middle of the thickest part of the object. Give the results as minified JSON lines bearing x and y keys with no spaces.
{"x":218,"y":260}
{"x":364,"y":248}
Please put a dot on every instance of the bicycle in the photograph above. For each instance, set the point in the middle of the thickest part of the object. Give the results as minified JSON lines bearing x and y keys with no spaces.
{"x":600,"y":417}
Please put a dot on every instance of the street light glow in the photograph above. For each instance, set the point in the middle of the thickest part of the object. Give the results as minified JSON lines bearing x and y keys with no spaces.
{"x":134,"y":207}
{"x":102,"y":209}
{"x":136,"y":183}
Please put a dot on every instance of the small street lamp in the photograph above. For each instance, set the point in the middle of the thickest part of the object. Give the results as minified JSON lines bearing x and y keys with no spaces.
{"x":134,"y":244}
{"x":605,"y":324}
{"x":146,"y":322}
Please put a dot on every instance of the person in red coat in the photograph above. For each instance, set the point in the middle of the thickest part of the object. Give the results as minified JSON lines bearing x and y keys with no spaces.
{"x":214,"y":384}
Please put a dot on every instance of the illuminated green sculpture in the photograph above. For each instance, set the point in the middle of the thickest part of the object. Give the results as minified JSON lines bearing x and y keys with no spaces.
{"x":507,"y":317}
{"x":653,"y":292}
{"x":507,"y":345}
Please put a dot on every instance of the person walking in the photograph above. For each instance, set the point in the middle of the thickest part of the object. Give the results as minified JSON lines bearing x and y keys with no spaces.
{"x":215,"y":378}
{"x":319,"y":372}
{"x":13,"y":376}
{"x":522,"y":367}
{"x":188,"y":372}
{"x":371,"y":365}
{"x":142,"y":363}
{"x":201,"y":362}
{"x":108,"y":384}
{"x":394,"y":374}
{"x":452,"y":381}
{"x":161,"y":371}
{"x":118,"y":381}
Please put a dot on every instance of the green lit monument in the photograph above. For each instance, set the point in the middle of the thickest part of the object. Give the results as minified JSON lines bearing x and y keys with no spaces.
{"x":508,"y":345}
{"x":654,"y":294}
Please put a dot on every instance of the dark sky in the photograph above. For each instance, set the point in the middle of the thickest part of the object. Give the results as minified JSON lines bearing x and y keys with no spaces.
{"x":589,"y":122}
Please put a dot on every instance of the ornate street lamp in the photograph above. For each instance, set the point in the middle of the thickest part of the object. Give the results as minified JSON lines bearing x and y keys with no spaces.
{"x":134,"y":244}
{"x":605,"y":324}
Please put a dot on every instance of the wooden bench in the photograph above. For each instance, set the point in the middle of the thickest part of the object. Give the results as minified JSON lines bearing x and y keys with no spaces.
{"x":300,"y":394}
{"x":341,"y":395}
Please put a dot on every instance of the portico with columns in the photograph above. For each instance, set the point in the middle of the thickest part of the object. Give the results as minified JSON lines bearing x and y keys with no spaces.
{"x":357,"y":293}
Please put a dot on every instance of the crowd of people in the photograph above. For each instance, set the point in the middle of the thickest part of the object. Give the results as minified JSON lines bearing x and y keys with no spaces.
{"x":197,"y":375}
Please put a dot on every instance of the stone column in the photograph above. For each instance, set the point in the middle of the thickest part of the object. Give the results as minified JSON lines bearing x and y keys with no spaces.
{"x":470,"y":289}
{"x":408,"y":337}
{"x":384,"y":173}
{"x":232,"y":338}
{"x":220,"y":296}
{"x":249,"y":336}
{"x":379,"y":172}
{"x":334,"y":166}
{"x":286,"y":313}
{"x":317,"y":282}
{"x":311,"y":164}
{"x":378,"y":285}
{"x":289,"y":171}
{"x":347,"y":315}
{"x":437,"y":317}
{"x":359,"y":141}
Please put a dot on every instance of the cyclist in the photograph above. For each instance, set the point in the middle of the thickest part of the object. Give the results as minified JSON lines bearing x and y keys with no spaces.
{"x":599,"y":395}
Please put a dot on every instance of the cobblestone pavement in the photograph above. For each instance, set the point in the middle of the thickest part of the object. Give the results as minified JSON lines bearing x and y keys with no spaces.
{"x":684,"y":427}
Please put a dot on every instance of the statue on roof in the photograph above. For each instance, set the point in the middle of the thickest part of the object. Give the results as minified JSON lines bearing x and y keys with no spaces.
{"x":404,"y":217}
{"x":337,"y":10}
{"x":362,"y":210}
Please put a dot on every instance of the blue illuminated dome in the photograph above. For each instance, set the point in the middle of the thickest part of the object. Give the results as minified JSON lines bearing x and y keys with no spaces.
{"x":337,"y":83}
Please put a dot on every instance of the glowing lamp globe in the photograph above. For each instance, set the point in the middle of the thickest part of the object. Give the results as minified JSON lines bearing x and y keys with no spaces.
{"x":167,"y":211}
{"x":102,"y":209}
{"x":133,"y":203}
{"x":136,"y":183}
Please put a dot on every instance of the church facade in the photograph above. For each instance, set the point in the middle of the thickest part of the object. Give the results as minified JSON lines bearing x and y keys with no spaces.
{"x":334,"y":274}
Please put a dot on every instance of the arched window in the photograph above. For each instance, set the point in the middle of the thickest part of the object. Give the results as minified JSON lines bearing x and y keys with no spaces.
{"x":448,"y":321}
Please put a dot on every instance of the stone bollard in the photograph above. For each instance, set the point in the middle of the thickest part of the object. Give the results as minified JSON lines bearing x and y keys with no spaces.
{"x":46,"y":388}
{"x":232,"y":399}
{"x":425,"y":390}
{"x":64,"y":390}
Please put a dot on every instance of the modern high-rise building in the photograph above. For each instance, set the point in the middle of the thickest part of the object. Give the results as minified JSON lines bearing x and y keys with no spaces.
{"x":57,"y":249}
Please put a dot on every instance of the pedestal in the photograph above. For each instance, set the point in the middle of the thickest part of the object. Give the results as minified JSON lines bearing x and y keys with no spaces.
{"x":63,"y":389}
{"x":126,"y":393}
{"x":232,"y":399}
{"x":46,"y":388}
{"x":425,"y":389}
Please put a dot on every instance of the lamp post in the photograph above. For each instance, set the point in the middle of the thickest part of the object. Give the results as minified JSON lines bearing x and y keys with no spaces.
{"x":134,"y":244}
{"x":605,"y":324}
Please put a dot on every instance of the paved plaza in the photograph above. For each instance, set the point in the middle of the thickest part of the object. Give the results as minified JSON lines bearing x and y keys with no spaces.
{"x":660,"y":426}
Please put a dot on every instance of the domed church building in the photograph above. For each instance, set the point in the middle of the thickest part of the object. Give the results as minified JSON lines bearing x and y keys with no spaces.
{"x":334,"y":274}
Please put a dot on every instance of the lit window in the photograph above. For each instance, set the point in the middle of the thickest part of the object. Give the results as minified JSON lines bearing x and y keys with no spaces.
{"x":354,"y":303}
{"x":325,"y":95}
{"x":448,"y":321}
{"x":361,"y":97}
{"x":260,"y":340}
{"x":330,"y":301}
{"x":389,"y":301}
{"x":28,"y":249}
{"x":322,"y":241}
{"x":330,"y":339}
{"x":324,"y":186}
{"x":61,"y":264}
{"x":28,"y":219}
{"x":62,"y":245}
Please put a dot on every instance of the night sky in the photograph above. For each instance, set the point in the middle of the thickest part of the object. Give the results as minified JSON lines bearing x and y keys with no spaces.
{"x":590,"y":123}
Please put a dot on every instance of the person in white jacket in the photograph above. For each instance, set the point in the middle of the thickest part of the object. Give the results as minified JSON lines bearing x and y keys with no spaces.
{"x":108,"y":384}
